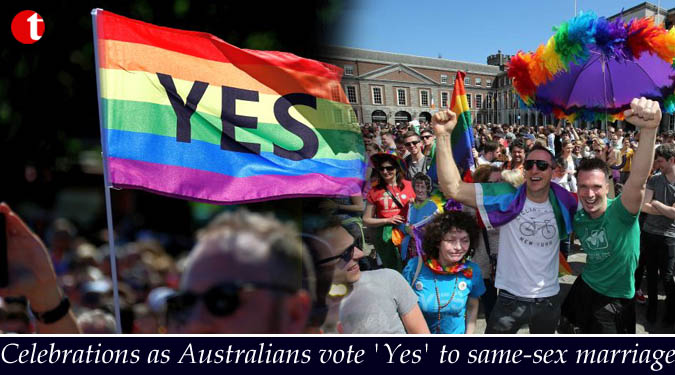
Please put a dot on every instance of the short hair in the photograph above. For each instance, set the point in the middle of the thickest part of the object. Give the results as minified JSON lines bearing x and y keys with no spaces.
{"x":538,"y":147}
{"x":278,"y":245}
{"x":589,"y":164}
{"x":427,"y":130}
{"x":520,"y":143}
{"x":427,"y":181}
{"x":410,"y":133}
{"x":483,"y":172}
{"x":561,"y":162}
{"x":441,"y":224}
{"x":666,"y":151}
{"x":490,"y":146}
{"x":513,"y":177}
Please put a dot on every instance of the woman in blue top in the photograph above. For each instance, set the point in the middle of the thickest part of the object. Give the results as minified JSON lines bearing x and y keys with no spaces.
{"x":448,"y":285}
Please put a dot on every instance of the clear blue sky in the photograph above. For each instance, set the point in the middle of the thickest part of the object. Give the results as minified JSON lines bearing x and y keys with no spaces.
{"x":467,"y":30}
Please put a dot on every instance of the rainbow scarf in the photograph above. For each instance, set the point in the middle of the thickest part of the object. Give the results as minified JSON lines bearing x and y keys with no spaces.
{"x":499,"y":203}
{"x":186,"y":114}
{"x":462,"y":136}
{"x":459,"y":267}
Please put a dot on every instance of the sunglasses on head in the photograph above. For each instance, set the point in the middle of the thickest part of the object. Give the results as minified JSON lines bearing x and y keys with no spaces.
{"x":389,"y":168}
{"x":220,"y":300}
{"x":346,"y":255}
{"x":413,"y":143}
{"x":542,"y":165}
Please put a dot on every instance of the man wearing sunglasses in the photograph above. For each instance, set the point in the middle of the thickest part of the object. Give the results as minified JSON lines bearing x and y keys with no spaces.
{"x":416,"y":162}
{"x":601,"y":299}
{"x":244,"y":275}
{"x":379,"y":301}
{"x":533,"y":219}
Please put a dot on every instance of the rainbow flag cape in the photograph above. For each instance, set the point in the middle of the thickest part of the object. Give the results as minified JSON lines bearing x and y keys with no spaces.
{"x":186,"y":114}
{"x":462,"y":136}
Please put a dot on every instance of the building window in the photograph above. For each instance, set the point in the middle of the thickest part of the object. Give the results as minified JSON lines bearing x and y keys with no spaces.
{"x":479,"y":118}
{"x":444,"y":78}
{"x":467,"y":80}
{"x":353,"y":116}
{"x":488,"y":82}
{"x":335,"y":92}
{"x":337,"y":116}
{"x":400,"y":96}
{"x":377,"y":95}
{"x":490,"y":117}
{"x":478,"y":81}
{"x":424,"y":98}
{"x":489,"y":101}
{"x":349,"y":70}
{"x":351,"y":94}
{"x":468,"y":99}
{"x":444,"y":99}
{"x":479,"y":101}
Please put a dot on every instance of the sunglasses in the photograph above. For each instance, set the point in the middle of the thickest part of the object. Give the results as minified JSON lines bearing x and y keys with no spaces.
{"x":413,"y":143}
{"x":542,"y":165}
{"x":346,"y":255}
{"x":390,"y":168}
{"x":221,"y":300}
{"x":427,"y":136}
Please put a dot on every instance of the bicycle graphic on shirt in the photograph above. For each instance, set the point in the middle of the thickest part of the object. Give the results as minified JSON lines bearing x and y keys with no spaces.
{"x":530,"y":228}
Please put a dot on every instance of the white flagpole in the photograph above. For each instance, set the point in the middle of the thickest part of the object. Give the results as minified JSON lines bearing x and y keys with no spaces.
{"x":108,"y":208}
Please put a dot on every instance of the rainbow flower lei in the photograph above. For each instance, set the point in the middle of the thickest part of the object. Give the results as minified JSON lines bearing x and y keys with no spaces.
{"x":456,"y":268}
{"x":570,"y":44}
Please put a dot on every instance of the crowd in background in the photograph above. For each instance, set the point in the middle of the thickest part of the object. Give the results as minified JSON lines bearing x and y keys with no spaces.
{"x":148,"y":274}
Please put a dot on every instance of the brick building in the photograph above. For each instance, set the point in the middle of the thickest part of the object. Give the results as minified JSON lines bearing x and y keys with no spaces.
{"x":390,"y":87}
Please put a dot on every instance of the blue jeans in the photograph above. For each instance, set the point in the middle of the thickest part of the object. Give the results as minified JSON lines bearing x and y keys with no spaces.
{"x":511,"y":313}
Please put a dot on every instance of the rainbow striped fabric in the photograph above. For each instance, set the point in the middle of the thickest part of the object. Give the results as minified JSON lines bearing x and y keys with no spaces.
{"x":188,"y":115}
{"x":462,"y":136}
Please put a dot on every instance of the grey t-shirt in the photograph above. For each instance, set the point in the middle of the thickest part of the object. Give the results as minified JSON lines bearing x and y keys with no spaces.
{"x":415,"y":167}
{"x":376,"y":303}
{"x":664,"y":192}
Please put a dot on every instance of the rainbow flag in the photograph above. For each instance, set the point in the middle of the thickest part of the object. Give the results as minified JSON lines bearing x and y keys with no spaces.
{"x":188,"y":115}
{"x":462,"y":136}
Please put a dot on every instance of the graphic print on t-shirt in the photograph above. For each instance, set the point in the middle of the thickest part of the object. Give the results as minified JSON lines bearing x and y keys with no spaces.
{"x":596,"y":245}
{"x":535,"y":231}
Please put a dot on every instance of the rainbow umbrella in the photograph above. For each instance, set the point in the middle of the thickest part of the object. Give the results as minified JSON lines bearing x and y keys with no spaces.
{"x":592,"y":68}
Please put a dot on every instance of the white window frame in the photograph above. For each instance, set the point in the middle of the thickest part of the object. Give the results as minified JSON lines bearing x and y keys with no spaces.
{"x":488,"y":82}
{"x":489,"y":101}
{"x":447,"y":99}
{"x":479,"y":101}
{"x":349,"y":70}
{"x":468,"y":99}
{"x":428,"y":98}
{"x":444,"y":79}
{"x":467,"y":81}
{"x":398,"y":97}
{"x":478,"y":81}
{"x":372,"y":93}
{"x":356,"y":96}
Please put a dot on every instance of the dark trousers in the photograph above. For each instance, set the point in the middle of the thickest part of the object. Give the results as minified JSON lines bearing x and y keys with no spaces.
{"x":511,"y":313}
{"x":659,"y":254}
{"x":489,"y":298}
{"x":587,"y":311}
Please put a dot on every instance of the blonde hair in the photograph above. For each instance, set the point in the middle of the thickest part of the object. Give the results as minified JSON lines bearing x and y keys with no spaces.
{"x":513,"y":177}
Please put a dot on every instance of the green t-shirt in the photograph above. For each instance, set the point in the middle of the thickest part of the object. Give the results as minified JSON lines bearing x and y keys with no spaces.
{"x":612,"y":245}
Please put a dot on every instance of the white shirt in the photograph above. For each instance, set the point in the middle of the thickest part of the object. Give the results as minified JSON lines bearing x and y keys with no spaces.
{"x":527,"y":263}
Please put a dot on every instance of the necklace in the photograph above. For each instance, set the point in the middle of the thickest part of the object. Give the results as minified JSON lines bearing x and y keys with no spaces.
{"x":438,"y":298}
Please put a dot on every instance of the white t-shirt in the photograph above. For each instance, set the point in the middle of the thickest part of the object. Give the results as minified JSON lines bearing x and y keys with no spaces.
{"x":527,"y":263}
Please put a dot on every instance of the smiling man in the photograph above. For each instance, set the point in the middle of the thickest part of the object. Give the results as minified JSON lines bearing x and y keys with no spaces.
{"x":601,"y":300}
{"x":534,"y":218}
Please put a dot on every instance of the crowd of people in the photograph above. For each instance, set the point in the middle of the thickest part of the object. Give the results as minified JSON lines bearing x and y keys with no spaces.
{"x":395,"y":259}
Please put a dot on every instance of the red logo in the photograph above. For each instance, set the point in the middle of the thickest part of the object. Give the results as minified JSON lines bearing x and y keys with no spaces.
{"x":28,"y":27}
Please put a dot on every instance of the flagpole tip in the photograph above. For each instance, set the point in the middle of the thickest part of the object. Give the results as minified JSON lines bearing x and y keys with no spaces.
{"x":95,"y":11}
